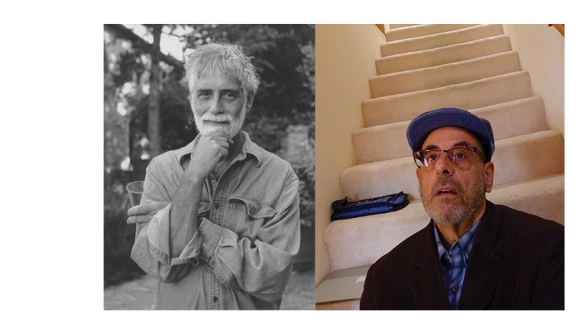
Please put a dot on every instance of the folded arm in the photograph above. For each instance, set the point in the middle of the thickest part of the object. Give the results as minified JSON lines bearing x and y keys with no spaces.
{"x":259,"y":266}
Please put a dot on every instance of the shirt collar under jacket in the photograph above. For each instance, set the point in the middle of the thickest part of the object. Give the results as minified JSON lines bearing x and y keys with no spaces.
{"x":465,"y":242}
{"x":248,"y":147}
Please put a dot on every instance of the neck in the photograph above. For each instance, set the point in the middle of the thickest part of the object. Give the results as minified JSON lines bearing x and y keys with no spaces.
{"x":235,"y":146}
{"x":233,"y":152}
{"x":451,"y":232}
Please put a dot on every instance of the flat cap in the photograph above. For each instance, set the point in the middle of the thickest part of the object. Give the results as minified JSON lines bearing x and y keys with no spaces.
{"x":419,"y":129}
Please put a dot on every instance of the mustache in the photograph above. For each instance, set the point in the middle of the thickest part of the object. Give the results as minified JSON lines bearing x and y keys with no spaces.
{"x":217,"y":118}
{"x":447,"y":181}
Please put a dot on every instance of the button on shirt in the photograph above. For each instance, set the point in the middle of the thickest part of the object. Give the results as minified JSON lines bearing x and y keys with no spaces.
{"x":248,"y":233}
{"x":453,"y":263}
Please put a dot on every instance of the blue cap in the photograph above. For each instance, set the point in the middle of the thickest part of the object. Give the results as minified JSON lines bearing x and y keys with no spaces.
{"x":422,"y":125}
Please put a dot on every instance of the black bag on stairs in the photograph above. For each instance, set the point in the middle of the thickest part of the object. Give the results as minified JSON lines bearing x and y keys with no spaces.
{"x":342,"y":209}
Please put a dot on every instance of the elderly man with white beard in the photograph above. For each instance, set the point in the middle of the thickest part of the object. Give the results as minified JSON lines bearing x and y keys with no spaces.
{"x":222,"y":225}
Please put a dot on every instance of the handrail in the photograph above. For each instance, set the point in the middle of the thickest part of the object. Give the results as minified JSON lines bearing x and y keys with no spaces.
{"x":559,"y":27}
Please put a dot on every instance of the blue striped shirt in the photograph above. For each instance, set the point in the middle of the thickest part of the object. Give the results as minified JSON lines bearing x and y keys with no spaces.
{"x":453,"y":263}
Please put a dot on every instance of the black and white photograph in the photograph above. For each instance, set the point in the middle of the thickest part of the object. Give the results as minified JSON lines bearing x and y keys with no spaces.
{"x":209,"y":167}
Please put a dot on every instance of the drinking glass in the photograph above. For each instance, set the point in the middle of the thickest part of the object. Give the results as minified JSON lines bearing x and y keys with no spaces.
{"x":136,"y":190}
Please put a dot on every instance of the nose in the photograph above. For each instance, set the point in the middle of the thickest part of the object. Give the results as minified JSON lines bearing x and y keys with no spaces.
{"x":216,"y":106}
{"x":444,"y":165}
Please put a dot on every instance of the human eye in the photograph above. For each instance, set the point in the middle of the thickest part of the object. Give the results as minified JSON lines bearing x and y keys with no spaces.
{"x":430,"y":155}
{"x":459,"y":154}
{"x":231,"y":95}
{"x":203,"y":94}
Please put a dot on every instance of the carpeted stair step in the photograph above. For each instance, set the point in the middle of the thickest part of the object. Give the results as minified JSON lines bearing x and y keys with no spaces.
{"x":361,"y":241}
{"x":439,"y":56}
{"x":396,"y":26}
{"x":515,"y":159}
{"x":422,"y":30}
{"x":441,"y":39}
{"x":543,"y":196}
{"x":444,"y":75}
{"x":388,"y":141}
{"x":469,"y":95}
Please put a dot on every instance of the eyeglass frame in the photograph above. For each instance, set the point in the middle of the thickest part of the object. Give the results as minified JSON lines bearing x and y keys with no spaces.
{"x":475,"y":149}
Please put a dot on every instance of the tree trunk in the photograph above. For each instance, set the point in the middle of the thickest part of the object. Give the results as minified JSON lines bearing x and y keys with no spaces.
{"x":154,"y":106}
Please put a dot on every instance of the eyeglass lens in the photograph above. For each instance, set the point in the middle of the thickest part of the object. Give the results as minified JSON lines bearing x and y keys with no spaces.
{"x":460,"y":156}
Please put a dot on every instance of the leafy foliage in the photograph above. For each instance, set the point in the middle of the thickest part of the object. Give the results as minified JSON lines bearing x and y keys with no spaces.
{"x":118,"y":236}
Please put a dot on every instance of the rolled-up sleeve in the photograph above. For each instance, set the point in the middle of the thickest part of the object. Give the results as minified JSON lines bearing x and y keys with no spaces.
{"x":151,"y":251}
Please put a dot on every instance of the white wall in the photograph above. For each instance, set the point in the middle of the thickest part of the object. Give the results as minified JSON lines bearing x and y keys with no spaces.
{"x":345,"y":60}
{"x":541,"y":51}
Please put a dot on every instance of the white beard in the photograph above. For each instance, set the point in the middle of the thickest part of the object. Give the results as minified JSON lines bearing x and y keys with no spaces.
{"x":232,"y":128}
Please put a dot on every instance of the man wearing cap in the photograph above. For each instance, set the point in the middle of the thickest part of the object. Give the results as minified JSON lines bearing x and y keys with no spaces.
{"x":473,"y":254}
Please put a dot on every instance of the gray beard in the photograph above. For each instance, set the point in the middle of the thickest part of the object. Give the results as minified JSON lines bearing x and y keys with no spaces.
{"x":463,"y":207}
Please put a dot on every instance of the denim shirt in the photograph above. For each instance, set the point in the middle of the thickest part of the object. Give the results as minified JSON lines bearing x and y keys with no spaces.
{"x":247,"y":238}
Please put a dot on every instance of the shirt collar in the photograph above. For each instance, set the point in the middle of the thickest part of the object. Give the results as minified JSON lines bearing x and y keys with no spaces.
{"x":464,"y":243}
{"x":248,"y":147}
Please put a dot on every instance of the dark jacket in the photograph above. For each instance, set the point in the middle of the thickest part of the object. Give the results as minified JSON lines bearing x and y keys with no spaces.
{"x":517,"y":262}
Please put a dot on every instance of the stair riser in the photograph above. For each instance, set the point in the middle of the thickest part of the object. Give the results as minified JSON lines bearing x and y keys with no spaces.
{"x":396,"y":26}
{"x":361,"y":241}
{"x":467,"y":96}
{"x":537,"y":155}
{"x":440,"y":40}
{"x":388,"y":141}
{"x":515,"y":159}
{"x":445,"y":75}
{"x":381,"y":143}
{"x":380,"y":178}
{"x":542,"y":196}
{"x":437,"y":57}
{"x":422,"y":30}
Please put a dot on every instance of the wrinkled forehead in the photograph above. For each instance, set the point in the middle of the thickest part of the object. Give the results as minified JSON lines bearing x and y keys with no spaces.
{"x":213,"y":73}
{"x":216,"y":83}
{"x":449,"y":137}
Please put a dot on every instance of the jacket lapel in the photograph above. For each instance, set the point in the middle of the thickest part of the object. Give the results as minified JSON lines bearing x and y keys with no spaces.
{"x":484,"y":265}
{"x":427,"y":286}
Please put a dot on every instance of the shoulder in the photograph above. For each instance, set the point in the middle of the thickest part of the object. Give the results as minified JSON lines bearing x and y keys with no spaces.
{"x":171,"y":158}
{"x":399,"y":258}
{"x":387,"y":281}
{"x":524,"y":222}
{"x":271,"y":159}
{"x":267,"y":160}
{"x":524,"y":232}
{"x":163,"y":159}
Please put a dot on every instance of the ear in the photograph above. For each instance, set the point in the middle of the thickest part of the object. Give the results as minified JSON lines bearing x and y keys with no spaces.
{"x":418,"y":174}
{"x":489,"y":173}
{"x":249,"y":102}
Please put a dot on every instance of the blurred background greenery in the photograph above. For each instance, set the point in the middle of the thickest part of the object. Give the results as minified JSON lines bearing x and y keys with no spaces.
{"x":147,"y":112}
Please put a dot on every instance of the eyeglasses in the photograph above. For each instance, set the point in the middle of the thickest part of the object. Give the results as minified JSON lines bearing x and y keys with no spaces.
{"x":460,"y":156}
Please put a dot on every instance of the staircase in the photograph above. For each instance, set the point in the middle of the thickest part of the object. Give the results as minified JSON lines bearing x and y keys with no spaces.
{"x":425,"y":67}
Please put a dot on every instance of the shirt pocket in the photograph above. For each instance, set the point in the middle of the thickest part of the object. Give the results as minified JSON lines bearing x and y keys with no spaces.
{"x":247,"y":216}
